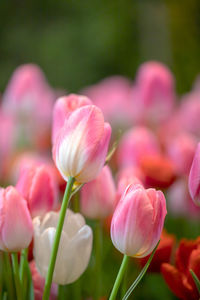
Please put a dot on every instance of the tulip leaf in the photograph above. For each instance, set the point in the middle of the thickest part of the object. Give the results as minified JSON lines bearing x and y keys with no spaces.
{"x":196,"y":280}
{"x":140,"y":276}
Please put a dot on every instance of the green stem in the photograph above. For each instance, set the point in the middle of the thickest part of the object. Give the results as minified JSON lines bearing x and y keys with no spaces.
{"x":124,"y":282}
{"x":98,"y":259}
{"x":140,"y":276}
{"x":16,"y":275}
{"x":23,"y":259}
{"x":119,"y":277}
{"x":54,"y":252}
{"x":8,"y":276}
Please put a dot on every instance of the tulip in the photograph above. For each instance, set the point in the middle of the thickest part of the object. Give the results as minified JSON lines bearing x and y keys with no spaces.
{"x":178,"y":277}
{"x":135,"y":144}
{"x":74,"y":249}
{"x":138,"y":221}
{"x":112,"y":96}
{"x":38,"y":284}
{"x":194,"y":177}
{"x":15,"y":221}
{"x":63,"y":107}
{"x":38,"y":186}
{"x":180,"y":150}
{"x":153,"y":93}
{"x":98,"y":196}
{"x":82,"y":143}
{"x":179,"y":201}
{"x":29,"y":99}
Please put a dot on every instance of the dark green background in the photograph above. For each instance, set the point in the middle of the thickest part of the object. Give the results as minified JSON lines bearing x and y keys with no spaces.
{"x":79,"y":42}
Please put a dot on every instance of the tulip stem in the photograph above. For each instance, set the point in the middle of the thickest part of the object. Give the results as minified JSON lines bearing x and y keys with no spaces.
{"x":16,"y":275}
{"x":8,"y":275}
{"x":119,"y":277}
{"x":56,"y":242}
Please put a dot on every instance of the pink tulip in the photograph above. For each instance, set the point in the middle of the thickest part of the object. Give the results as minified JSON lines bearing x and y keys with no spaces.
{"x":194,"y":177}
{"x":153,"y":93}
{"x":63,"y":107}
{"x":98,"y":196}
{"x":138,"y":221}
{"x":135,"y":144}
{"x":180,"y":150}
{"x":16,"y":228}
{"x":82,"y":143}
{"x":39,"y":282}
{"x":29,"y":99}
{"x":112,"y":96}
{"x":189,"y":112}
{"x":38,"y":186}
{"x":180,"y":202}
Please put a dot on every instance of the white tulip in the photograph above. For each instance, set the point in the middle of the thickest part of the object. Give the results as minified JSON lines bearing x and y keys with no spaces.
{"x":74,"y":249}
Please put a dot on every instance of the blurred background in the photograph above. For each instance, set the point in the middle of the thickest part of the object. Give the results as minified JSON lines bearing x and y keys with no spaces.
{"x":77,"y":43}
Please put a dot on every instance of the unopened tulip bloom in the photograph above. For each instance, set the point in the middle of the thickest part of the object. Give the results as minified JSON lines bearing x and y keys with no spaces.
{"x":153,"y":93}
{"x":135,"y":144}
{"x":16,"y":228}
{"x":82,"y":143}
{"x":37,"y":184}
{"x":112,"y":96}
{"x":138,"y":221}
{"x":63,"y":107}
{"x":194,"y":177}
{"x":180,"y":150}
{"x":98,"y":196}
{"x":74,"y":249}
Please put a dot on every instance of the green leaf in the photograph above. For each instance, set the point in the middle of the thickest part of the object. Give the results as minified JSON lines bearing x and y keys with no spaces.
{"x":140,"y":276}
{"x":196,"y":280}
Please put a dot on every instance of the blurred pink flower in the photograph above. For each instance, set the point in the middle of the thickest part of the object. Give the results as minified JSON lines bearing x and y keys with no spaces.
{"x":194,"y":177}
{"x":29,"y":98}
{"x":138,"y":221}
{"x":135,"y":144}
{"x":82,"y":144}
{"x":180,"y":150}
{"x":16,"y":228}
{"x":37,"y":184}
{"x":112,"y":95}
{"x":98,"y":197}
{"x":153,"y":93}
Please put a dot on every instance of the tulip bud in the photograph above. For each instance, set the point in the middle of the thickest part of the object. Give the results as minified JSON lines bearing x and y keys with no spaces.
{"x":138,"y":221}
{"x":194,"y":177}
{"x":38,"y":186}
{"x":63,"y":107}
{"x":98,"y":196}
{"x":135,"y":144}
{"x":16,"y":227}
{"x":82,"y":143}
{"x":74,"y":249}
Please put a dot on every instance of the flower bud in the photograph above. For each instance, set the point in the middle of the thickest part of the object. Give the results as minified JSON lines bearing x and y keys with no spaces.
{"x":63,"y":107}
{"x":74,"y":249}
{"x":194,"y":177}
{"x":135,"y":144}
{"x":138,"y":221}
{"x":82,"y":143}
{"x":16,"y":227}
{"x":37,"y":184}
{"x":98,"y":196}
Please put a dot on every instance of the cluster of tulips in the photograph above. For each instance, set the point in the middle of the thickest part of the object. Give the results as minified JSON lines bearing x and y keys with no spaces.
{"x":66,"y":180}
